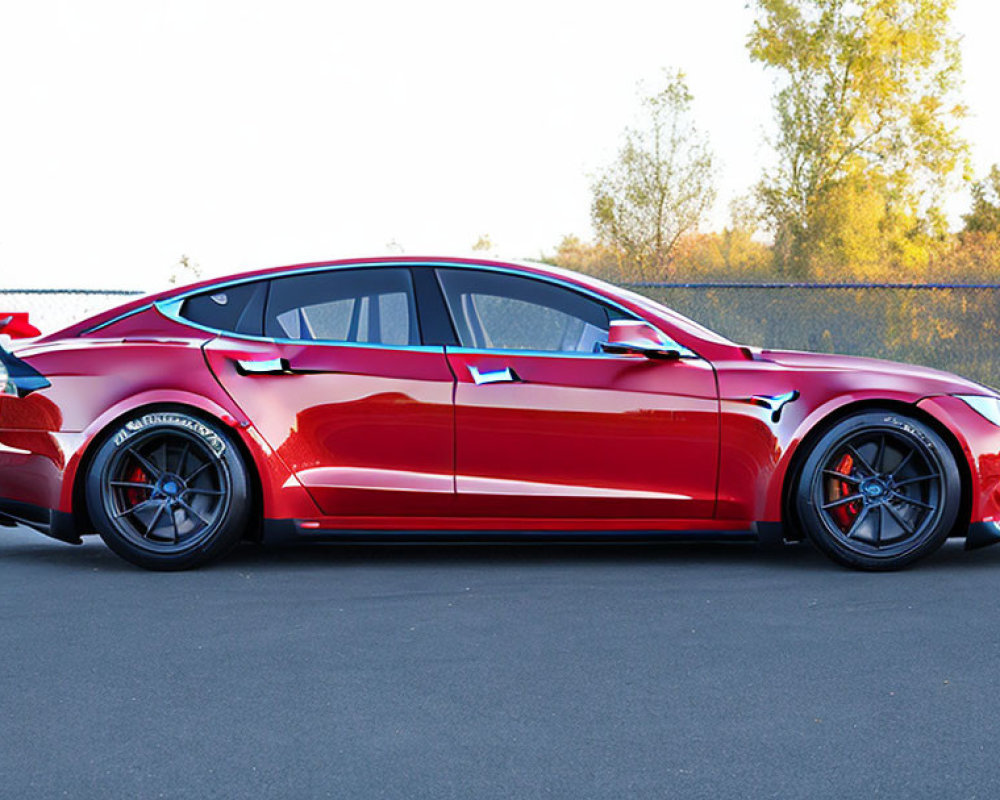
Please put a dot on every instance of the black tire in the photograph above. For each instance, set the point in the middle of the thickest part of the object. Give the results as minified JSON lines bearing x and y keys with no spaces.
{"x":168,"y":490}
{"x":878,"y":491}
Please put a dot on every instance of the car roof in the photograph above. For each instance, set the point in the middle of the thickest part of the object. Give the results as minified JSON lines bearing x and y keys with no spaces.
{"x":624,"y":297}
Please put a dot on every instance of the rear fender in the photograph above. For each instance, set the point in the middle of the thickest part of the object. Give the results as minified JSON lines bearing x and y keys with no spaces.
{"x":282,"y":496}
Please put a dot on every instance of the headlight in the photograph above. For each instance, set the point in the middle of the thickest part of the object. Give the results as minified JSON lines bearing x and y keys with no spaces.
{"x":988,"y":407}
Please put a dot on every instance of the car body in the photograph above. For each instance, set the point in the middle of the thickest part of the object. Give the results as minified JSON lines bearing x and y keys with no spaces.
{"x":401,"y":398}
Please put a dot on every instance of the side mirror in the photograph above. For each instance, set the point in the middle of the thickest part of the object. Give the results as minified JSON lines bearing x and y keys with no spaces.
{"x":637,"y":338}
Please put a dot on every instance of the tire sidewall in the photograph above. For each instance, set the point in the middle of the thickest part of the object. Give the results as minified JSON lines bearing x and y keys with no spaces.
{"x":230,"y":529}
{"x":810,"y":516}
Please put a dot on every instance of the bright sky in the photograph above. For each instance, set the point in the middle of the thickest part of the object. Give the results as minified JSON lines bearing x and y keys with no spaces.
{"x":247,"y":134}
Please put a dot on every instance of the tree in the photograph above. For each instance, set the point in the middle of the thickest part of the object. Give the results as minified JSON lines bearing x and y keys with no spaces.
{"x":659,"y":187}
{"x":593,"y":258}
{"x":867,"y":137}
{"x":483,"y":244}
{"x":985,"y":214}
{"x":184,"y":271}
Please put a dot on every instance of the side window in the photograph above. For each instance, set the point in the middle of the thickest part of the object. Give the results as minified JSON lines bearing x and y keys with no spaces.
{"x":236,"y":309}
{"x":372,"y":305}
{"x":494,"y":310}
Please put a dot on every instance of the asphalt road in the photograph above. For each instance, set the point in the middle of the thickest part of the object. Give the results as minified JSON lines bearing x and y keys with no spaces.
{"x":488,"y":672}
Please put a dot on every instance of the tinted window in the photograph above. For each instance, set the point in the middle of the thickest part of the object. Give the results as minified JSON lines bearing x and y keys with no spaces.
{"x":352,"y":305}
{"x":237,"y":309}
{"x":506,"y":312}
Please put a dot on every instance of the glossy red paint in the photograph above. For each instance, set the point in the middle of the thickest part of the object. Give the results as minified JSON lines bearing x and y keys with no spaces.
{"x":349,"y":437}
{"x":591,"y":436}
{"x":363,"y":429}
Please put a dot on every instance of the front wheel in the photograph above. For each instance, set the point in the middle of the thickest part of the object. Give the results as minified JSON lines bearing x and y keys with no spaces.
{"x":878,"y":491}
{"x":169,"y":491}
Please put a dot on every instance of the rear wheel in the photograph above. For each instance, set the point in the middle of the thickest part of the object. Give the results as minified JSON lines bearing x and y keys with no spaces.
{"x":169,"y":491}
{"x":878,"y":491}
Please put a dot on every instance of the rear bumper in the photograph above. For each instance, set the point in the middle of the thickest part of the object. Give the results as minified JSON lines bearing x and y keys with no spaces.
{"x":56,"y":524}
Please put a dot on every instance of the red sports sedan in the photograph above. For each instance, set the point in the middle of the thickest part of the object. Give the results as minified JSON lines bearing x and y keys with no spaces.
{"x":414,"y":398}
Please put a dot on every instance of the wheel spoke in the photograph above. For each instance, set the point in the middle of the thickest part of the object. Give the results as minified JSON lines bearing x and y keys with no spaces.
{"x":840,"y":476}
{"x":880,"y":455}
{"x":183,"y":459}
{"x":132,"y":485}
{"x":899,"y":520}
{"x":135,"y":508}
{"x":843,"y":501}
{"x":857,"y":523}
{"x":146,"y":463}
{"x":918,"y":479}
{"x":173,"y":519}
{"x":864,"y":462}
{"x":881,"y":521}
{"x":197,"y":472}
{"x":899,"y":467}
{"x":912,"y":502}
{"x":190,"y":509}
{"x":156,"y":518}
{"x":209,"y":492}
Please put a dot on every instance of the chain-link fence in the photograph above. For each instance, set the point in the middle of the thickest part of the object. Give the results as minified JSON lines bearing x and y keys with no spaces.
{"x":52,"y":309}
{"x":952,"y":327}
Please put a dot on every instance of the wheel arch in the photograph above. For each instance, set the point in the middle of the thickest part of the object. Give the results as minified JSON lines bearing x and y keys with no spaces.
{"x":107,"y":426}
{"x":789,"y":516}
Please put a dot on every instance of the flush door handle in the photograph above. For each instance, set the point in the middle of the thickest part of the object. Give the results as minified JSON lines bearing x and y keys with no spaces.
{"x":505,"y":375}
{"x":268,"y":366}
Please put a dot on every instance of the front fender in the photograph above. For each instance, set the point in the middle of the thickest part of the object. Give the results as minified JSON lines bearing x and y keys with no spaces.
{"x":758,"y":452}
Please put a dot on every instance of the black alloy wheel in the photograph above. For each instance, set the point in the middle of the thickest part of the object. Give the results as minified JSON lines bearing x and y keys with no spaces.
{"x":878,"y":491}
{"x":168,"y":490}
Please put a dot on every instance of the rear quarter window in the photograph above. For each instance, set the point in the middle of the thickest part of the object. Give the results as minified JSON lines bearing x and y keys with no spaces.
{"x":235,"y":309}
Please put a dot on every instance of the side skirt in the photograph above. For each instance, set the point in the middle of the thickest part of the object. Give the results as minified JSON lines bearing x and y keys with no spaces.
{"x":289,"y":530}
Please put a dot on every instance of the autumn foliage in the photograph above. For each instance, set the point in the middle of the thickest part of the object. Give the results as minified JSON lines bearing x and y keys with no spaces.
{"x":866,"y":150}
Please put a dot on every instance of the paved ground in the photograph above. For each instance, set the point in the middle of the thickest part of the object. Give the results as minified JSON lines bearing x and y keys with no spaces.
{"x":487,"y":672}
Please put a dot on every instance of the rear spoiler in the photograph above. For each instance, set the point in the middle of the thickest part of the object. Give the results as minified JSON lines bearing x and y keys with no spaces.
{"x":16,"y":326}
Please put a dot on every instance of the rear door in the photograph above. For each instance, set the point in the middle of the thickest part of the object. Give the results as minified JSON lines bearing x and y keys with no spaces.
{"x":343,"y":389}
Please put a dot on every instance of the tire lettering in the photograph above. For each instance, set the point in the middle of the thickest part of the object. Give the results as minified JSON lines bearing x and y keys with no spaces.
{"x":134,"y":426}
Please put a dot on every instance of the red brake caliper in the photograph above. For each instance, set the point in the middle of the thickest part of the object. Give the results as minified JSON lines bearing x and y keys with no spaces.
{"x":846,"y":514}
{"x":133,"y":494}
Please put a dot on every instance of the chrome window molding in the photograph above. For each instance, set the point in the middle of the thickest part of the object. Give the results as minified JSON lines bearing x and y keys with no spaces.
{"x":170,"y":308}
{"x":468,"y":351}
{"x":119,"y":318}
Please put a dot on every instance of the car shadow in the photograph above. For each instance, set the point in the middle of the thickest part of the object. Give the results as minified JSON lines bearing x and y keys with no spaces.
{"x":93,"y":554}
{"x":694,"y":554}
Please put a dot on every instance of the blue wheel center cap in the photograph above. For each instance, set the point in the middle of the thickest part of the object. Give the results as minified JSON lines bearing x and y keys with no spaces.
{"x":873,"y":489}
{"x":170,"y":488}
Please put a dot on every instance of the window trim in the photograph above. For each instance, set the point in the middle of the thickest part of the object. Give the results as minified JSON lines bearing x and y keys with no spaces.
{"x":260,"y":293}
{"x":169,"y":308}
{"x":685,"y":352}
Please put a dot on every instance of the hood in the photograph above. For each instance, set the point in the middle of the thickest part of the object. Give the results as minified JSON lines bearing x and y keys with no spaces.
{"x":892,"y":374}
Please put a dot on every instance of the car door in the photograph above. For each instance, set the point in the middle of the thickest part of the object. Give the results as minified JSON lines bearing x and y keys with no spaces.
{"x":548,"y":426}
{"x":342,"y":388}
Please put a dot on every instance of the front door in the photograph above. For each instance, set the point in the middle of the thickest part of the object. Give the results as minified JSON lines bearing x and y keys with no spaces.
{"x":550,"y":427}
